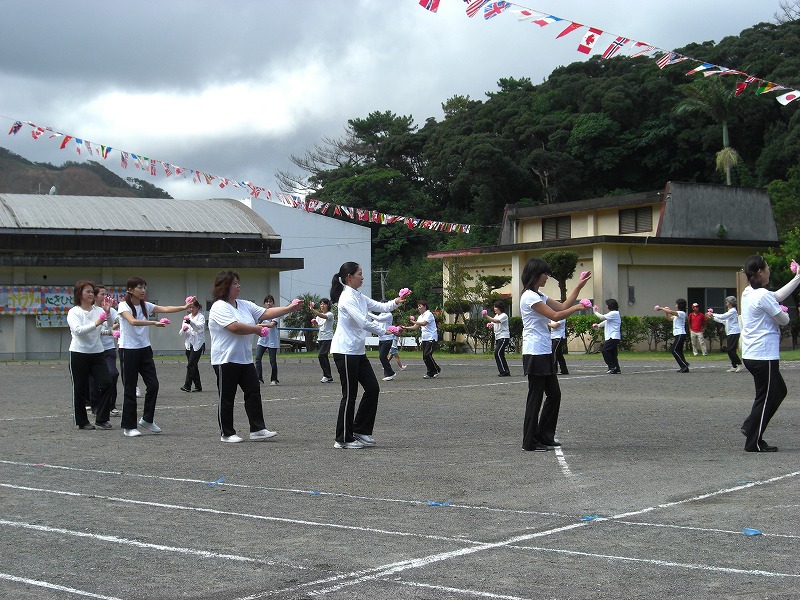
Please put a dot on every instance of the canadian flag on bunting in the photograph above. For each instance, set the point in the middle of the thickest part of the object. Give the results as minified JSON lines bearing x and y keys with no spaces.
{"x":589,"y":40}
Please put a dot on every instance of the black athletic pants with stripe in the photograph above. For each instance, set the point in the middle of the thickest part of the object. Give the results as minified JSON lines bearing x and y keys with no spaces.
{"x":355,"y":369}
{"x":770,"y":392}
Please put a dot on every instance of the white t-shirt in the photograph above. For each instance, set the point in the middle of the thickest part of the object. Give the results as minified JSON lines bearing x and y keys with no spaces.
{"x":679,"y":323}
{"x":501,"y":331}
{"x":385,"y":319}
{"x":85,"y":334}
{"x":429,"y":332}
{"x":228,"y":347}
{"x":761,"y":334}
{"x":132,"y":337}
{"x":534,"y":324}
{"x":273,"y":338}
{"x":354,"y":322}
{"x":556,"y":333}
{"x":326,"y":327}
{"x":612,"y":323}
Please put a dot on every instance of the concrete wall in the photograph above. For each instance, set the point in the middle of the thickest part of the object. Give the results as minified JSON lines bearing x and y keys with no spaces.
{"x":21,"y":339}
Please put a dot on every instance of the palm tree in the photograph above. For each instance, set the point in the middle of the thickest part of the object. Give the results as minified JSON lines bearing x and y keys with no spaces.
{"x":711,"y":97}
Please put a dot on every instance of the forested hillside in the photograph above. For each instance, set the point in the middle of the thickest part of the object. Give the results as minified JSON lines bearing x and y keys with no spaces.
{"x":593,"y":128}
{"x":21,"y":176}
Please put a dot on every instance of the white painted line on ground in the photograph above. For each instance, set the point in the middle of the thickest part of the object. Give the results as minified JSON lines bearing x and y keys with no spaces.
{"x":160,"y":547}
{"x":562,"y":461}
{"x":53,"y":586}
{"x":463,"y":592}
{"x":663,"y":563}
{"x":227,"y":513}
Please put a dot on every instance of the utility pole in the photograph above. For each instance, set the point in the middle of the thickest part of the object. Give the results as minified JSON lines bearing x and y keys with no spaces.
{"x":382,"y":273}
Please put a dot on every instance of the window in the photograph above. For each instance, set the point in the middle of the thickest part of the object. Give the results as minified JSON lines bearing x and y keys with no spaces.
{"x":556,"y":228}
{"x":636,"y":220}
{"x":709,"y":298}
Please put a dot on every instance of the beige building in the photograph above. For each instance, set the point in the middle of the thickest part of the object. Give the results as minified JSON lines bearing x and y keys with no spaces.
{"x":688,"y":241}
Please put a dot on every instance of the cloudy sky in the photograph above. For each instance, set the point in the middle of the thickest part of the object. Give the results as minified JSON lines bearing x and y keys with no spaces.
{"x":234,"y":88}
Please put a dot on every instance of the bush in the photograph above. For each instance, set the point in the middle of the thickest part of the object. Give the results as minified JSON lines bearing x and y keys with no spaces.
{"x":657,"y":330}
{"x":633,"y":331}
{"x":580,"y":326}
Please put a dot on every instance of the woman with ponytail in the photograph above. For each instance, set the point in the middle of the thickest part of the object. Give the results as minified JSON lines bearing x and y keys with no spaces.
{"x":350,"y":355}
{"x":537,"y":312}
{"x":762,"y":318}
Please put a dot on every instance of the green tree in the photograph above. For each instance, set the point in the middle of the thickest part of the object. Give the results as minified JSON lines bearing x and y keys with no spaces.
{"x":562,"y":267}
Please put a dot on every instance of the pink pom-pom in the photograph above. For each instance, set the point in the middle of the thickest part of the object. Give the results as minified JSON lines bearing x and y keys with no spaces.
{"x":412,"y":318}
{"x":311,"y":304}
{"x":484,"y":312}
{"x":586,"y":303}
{"x":115,"y":334}
{"x":656,"y":307}
{"x":103,"y":316}
{"x":264,"y":332}
{"x":185,"y":328}
{"x":784,"y":308}
{"x":794,"y":267}
{"x":595,"y":307}
{"x":165,"y":321}
{"x":189,"y":299}
{"x":490,"y":325}
{"x":314,"y":322}
{"x":710,"y":310}
{"x":595,"y":325}
{"x":393,"y":329}
{"x":584,"y":274}
{"x":187,"y":318}
{"x":404,"y":292}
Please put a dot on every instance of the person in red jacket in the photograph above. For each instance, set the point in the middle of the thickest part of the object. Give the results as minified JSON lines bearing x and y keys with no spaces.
{"x":696,"y":322}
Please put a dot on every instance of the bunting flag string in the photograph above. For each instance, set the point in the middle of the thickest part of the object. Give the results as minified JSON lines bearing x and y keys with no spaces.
{"x":150,"y":166}
{"x":664,"y":58}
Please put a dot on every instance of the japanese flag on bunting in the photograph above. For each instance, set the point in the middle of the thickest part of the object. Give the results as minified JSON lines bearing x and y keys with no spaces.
{"x":788,"y":97}
{"x":589,"y":40}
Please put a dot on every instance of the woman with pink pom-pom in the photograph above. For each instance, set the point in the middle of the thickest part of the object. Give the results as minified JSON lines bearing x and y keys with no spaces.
{"x":611,"y":323}
{"x":354,"y":428}
{"x":86,"y":359}
{"x":678,"y":318}
{"x":136,"y":354}
{"x":193,"y":331}
{"x":730,"y":318}
{"x":502,"y":336}
{"x":537,"y":310}
{"x":232,"y":323}
{"x":324,"y":338}
{"x":762,"y":318}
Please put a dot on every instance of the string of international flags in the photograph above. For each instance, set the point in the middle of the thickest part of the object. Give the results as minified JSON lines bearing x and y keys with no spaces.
{"x":493,"y":8}
{"x":152,"y":166}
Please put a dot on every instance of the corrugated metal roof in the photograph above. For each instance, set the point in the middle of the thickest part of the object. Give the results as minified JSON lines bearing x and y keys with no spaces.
{"x":108,"y":214}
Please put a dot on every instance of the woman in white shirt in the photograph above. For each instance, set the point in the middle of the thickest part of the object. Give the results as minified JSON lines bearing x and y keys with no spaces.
{"x":269,"y":343}
{"x":324,"y":338}
{"x":730,"y":319}
{"x":502,"y":336}
{"x":350,"y":356}
{"x":232,"y":324}
{"x":558,"y":339}
{"x":194,"y":332}
{"x":611,"y":322}
{"x":430,"y":335}
{"x":537,"y":310}
{"x":678,"y":318}
{"x":136,"y":354}
{"x":762,"y":318}
{"x":86,"y":358}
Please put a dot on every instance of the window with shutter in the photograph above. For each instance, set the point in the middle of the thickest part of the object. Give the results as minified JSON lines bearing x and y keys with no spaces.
{"x":557,"y":228}
{"x":636,"y":220}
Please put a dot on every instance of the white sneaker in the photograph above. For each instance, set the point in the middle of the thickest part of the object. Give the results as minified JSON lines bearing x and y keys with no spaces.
{"x":739,"y":369}
{"x":260,"y":436}
{"x":131,"y":432}
{"x":150,"y":426}
{"x":326,"y":380}
{"x":390,"y":377}
{"x":138,"y":392}
{"x":273,"y":383}
{"x":351,"y":445}
{"x":366,"y":440}
{"x":233,"y":439}
{"x":115,"y":412}
{"x":731,"y":370}
{"x":403,"y":368}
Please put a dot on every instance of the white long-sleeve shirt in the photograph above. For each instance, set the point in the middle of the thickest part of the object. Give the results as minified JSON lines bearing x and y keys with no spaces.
{"x":730,"y":319}
{"x":84,"y":330}
{"x":195,"y":335}
{"x":355,"y":321}
{"x":612,"y":323}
